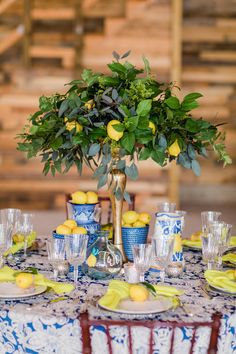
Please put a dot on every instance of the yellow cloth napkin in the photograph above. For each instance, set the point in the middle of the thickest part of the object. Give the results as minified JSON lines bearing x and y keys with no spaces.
{"x":233,"y":241}
{"x":20,"y":245}
{"x":167,"y":290}
{"x":7,"y":275}
{"x":229,"y":257}
{"x":190,"y":243}
{"x":224,"y":280}
{"x":119,"y":290}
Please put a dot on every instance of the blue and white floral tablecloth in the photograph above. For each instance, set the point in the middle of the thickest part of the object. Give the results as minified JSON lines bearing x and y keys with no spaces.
{"x":40,"y":325}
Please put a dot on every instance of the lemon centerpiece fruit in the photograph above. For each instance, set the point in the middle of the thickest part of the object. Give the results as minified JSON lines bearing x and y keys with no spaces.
{"x":63,"y":230}
{"x":24,"y":280}
{"x":90,"y":104}
{"x":79,"y":197}
{"x":111,"y":132}
{"x":152,"y":126}
{"x":73,"y":124}
{"x":144,"y":217}
{"x":130,"y":217}
{"x":126,"y":225}
{"x":139,"y":224}
{"x":79,"y":230}
{"x":70,"y":223}
{"x":174,"y":149}
{"x":138,"y":292}
{"x":92,"y":197}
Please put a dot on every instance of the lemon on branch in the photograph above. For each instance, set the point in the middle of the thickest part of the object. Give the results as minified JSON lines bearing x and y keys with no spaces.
{"x":111,"y":132}
{"x":73,"y":124}
{"x":174,"y":149}
{"x":152,"y":126}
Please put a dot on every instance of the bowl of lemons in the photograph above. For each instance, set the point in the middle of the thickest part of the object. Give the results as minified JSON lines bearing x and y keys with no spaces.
{"x":83,"y":206}
{"x":69,"y":227}
{"x":135,"y":227}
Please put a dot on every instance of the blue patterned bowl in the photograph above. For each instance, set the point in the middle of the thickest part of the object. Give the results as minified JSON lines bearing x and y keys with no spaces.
{"x":83,"y":213}
{"x":132,"y":236}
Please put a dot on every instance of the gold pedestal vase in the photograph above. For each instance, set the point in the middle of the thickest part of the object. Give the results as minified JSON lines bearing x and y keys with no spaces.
{"x":117,"y":179}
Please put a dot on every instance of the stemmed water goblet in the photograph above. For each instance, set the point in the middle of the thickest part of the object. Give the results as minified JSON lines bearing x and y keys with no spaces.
{"x":142,"y":258}
{"x":222,"y":233}
{"x":4,"y":241}
{"x":210,"y":249}
{"x":208,"y":217}
{"x":162,"y":253}
{"x":56,"y":254}
{"x":10,"y":217}
{"x":76,"y":247}
{"x":26,"y":228}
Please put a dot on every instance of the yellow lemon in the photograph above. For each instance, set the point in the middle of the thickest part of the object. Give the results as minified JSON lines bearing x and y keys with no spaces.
{"x":79,"y":197}
{"x":24,"y":280}
{"x":92,"y":197}
{"x":79,"y":230}
{"x":91,"y":260}
{"x":178,"y":243}
{"x":126,"y":225}
{"x":152,"y":126}
{"x":111,"y":132}
{"x":90,"y":104}
{"x":130,"y":216}
{"x":63,"y":230}
{"x":139,"y":224}
{"x":196,"y":236}
{"x":174,"y":149}
{"x":138,"y":292}
{"x":144,"y":217}
{"x":70,"y":223}
{"x":73,"y":124}
{"x":17,"y":238}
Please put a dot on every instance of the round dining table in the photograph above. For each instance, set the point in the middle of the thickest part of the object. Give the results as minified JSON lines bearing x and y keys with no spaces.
{"x":49,"y":323}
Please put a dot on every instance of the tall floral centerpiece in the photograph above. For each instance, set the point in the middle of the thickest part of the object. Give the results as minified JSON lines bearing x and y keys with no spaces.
{"x":111,"y":121}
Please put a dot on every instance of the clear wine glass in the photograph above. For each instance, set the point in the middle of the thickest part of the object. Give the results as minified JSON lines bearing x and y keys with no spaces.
{"x":26,"y":227}
{"x":142,"y":258}
{"x":222,"y":232}
{"x":162,"y":253}
{"x":210,"y":249}
{"x":4,"y":237}
{"x":56,"y":254}
{"x":76,"y":247}
{"x":209,"y":217}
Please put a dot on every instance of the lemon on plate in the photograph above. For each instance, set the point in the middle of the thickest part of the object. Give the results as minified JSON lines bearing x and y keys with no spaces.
{"x":63,"y":230}
{"x":79,"y":230}
{"x":111,"y":132}
{"x":144,"y":217}
{"x":79,"y":197}
{"x":92,"y":197}
{"x":18,"y":238}
{"x":24,"y":280}
{"x":70,"y":223}
{"x":130,"y":217}
{"x":174,"y":149}
{"x":138,"y":292}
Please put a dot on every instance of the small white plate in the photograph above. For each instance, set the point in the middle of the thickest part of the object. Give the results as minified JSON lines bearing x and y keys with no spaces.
{"x":127,"y":306}
{"x":12,"y":291}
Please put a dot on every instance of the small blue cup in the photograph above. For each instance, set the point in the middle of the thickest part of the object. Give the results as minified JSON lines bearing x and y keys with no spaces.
{"x":132,"y":236}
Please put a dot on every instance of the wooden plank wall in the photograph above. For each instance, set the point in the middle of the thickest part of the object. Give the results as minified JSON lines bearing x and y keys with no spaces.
{"x":209,"y":67}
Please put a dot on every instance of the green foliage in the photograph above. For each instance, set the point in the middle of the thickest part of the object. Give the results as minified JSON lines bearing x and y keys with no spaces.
{"x":71,"y":129}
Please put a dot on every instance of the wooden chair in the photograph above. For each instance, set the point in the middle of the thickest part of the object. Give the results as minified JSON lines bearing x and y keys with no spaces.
{"x":86,"y":323}
{"x":105,"y":204}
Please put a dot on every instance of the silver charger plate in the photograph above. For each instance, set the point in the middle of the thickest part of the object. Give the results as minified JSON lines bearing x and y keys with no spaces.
{"x":218,"y":291}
